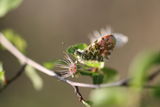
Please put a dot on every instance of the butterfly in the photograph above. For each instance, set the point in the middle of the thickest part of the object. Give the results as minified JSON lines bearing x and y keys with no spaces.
{"x":102,"y":45}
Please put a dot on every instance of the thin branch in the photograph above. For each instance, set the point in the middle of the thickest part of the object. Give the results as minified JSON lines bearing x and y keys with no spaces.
{"x":153,"y":75}
{"x":25,"y":60}
{"x":10,"y":81}
{"x":79,"y":95}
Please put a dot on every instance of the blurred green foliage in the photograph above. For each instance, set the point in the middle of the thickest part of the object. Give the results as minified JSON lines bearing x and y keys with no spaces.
{"x":34,"y":77}
{"x":8,"y":5}
{"x":2,"y":74}
{"x":141,"y":65}
{"x":116,"y":97}
{"x":21,"y":44}
{"x":108,"y":97}
{"x":49,"y":64}
{"x":15,"y":39}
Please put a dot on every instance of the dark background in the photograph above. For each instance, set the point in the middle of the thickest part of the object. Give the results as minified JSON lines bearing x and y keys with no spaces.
{"x":47,"y":24}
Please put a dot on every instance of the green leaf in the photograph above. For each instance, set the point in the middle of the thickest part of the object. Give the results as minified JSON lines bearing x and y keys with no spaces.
{"x":7,"y":5}
{"x":49,"y":65}
{"x":95,"y":64}
{"x":2,"y":74}
{"x":108,"y":97}
{"x":34,"y":77}
{"x":15,"y":39}
{"x":73,"y":48}
{"x":97,"y":78}
{"x":140,"y":66}
{"x":109,"y":74}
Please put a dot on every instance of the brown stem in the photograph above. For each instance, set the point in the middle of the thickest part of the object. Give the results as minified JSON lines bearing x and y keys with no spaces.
{"x":10,"y":81}
{"x":153,"y":75}
{"x":79,"y":95}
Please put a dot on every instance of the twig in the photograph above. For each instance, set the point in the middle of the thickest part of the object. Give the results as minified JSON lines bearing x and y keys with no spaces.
{"x":18,"y":74}
{"x":80,"y":97}
{"x":153,"y":75}
{"x":77,"y":92}
{"x":25,"y":60}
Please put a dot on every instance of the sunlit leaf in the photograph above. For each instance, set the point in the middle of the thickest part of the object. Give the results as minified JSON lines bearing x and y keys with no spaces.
{"x":2,"y":74}
{"x":7,"y":5}
{"x":73,"y":48}
{"x":95,"y":64}
{"x":108,"y":97}
{"x":34,"y":77}
{"x":141,"y":64}
{"x":15,"y":39}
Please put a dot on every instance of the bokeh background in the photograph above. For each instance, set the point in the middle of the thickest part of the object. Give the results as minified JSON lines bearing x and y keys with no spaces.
{"x":50,"y":26}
